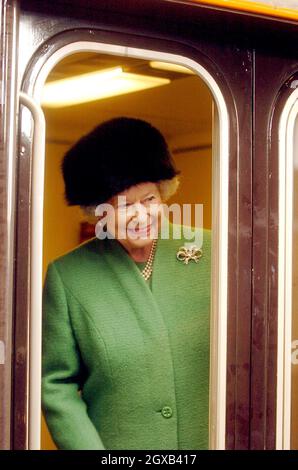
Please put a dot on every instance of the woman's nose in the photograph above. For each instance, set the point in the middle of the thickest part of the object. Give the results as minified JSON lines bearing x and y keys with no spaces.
{"x":139,"y":211}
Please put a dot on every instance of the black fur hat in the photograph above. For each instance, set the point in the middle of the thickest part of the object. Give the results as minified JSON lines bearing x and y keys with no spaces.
{"x":117,"y":154}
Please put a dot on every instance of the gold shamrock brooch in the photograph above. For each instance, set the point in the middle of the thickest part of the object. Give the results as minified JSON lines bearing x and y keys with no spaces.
{"x":186,"y":253}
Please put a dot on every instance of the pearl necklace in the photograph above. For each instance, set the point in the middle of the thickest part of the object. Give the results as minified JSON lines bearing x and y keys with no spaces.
{"x":147,"y":271}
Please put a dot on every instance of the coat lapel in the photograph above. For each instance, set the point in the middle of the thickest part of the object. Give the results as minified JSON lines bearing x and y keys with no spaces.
{"x":167,"y":270}
{"x":142,"y":307}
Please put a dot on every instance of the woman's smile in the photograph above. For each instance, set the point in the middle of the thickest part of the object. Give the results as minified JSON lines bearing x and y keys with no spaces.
{"x":140,"y":230}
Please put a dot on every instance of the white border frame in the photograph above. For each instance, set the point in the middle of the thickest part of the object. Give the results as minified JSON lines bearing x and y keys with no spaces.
{"x":219,"y":232}
{"x":285,"y":266}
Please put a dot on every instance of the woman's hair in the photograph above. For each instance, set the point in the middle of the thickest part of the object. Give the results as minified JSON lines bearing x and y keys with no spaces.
{"x":167,"y":188}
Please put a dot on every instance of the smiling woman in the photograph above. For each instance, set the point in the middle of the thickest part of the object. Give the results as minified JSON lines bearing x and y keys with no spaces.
{"x":137,"y":352}
{"x":121,"y":297}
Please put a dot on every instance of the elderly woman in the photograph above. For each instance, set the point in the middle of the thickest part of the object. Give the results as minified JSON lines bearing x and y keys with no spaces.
{"x":126,"y":313}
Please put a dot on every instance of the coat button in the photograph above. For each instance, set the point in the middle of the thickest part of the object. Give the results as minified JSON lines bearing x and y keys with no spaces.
{"x":167,"y":411}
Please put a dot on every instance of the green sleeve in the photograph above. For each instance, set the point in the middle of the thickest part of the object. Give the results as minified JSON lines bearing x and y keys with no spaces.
{"x":64,"y":410}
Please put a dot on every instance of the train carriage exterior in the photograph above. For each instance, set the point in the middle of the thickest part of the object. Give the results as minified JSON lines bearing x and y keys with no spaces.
{"x":246,"y":55}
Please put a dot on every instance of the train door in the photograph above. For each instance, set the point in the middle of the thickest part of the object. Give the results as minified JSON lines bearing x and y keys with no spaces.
{"x":227,"y":127}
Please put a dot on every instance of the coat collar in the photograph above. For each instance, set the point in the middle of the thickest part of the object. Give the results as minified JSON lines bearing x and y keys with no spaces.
{"x":165,"y":266}
{"x":113,"y":275}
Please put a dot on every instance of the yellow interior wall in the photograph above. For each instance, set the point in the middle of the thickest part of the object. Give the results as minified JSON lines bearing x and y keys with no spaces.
{"x":196,"y":173}
{"x":62,"y":223}
{"x":61,"y":229}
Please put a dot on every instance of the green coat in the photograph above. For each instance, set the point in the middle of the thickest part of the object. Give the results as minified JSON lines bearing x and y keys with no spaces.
{"x":125,"y":362}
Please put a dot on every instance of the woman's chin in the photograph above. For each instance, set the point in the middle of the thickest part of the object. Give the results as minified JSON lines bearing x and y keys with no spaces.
{"x":139,"y":242}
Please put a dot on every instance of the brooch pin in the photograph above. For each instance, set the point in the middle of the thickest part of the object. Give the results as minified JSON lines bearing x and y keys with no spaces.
{"x":186,"y":253}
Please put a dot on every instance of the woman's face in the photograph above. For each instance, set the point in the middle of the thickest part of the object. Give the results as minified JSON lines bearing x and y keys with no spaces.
{"x":137,"y":214}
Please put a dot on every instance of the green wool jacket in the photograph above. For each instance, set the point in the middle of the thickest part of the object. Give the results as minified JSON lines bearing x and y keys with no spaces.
{"x":125,"y":362}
